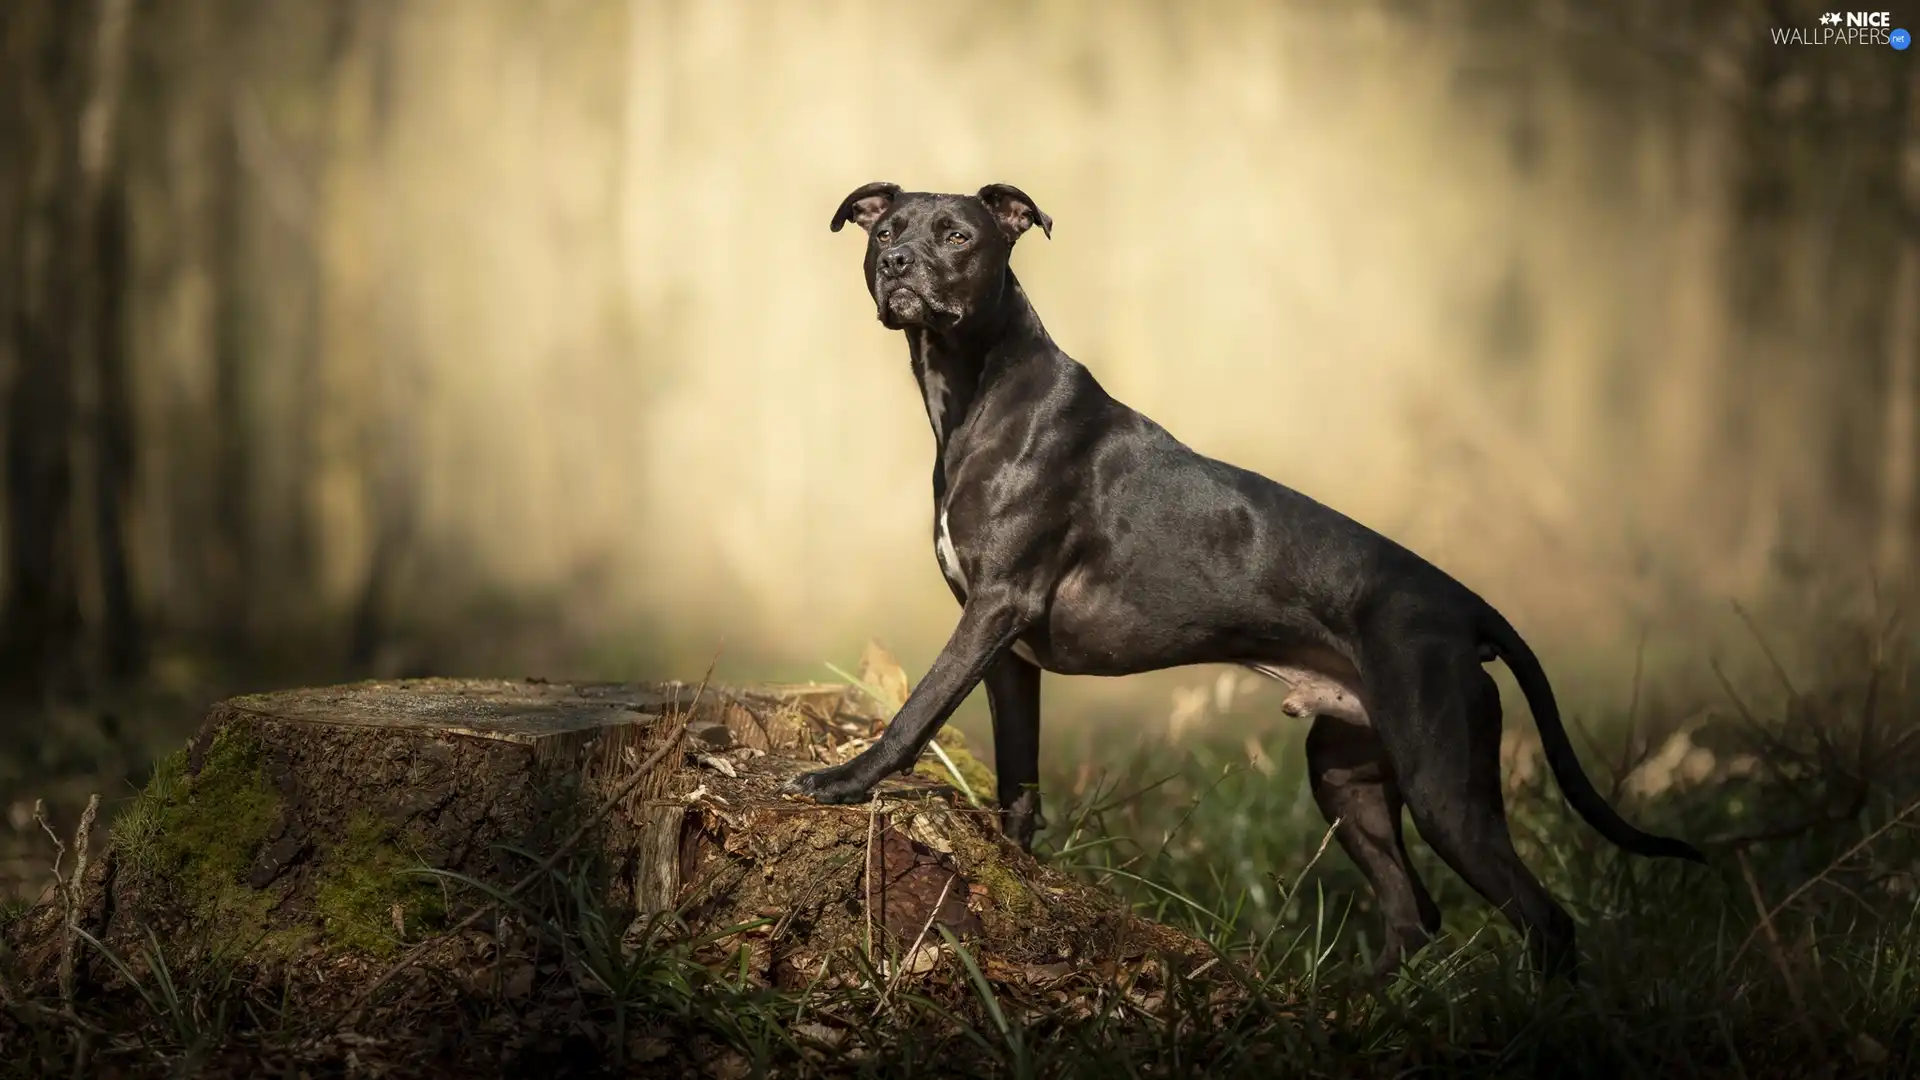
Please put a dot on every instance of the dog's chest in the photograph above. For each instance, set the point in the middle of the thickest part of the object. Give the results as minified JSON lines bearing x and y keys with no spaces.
{"x":949,"y":559}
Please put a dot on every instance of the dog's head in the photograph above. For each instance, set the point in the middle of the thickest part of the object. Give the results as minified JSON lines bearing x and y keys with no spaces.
{"x":938,"y":261}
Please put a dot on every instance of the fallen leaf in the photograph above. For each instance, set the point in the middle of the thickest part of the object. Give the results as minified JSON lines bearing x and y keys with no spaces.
{"x":881,"y":671}
{"x":644,"y":1048}
{"x":1868,"y":1050}
{"x":830,"y":1038}
{"x":1047,"y":973}
{"x":924,"y":829}
{"x":922,"y":960}
{"x":518,"y":982}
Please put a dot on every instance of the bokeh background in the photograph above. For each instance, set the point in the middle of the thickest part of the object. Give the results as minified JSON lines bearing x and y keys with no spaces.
{"x":350,"y":337}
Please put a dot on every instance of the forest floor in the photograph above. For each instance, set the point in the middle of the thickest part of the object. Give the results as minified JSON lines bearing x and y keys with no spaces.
{"x":1795,"y":953}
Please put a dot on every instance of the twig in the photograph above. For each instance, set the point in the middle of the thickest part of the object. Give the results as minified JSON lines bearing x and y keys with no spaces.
{"x":866,"y":915}
{"x":61,"y":890}
{"x":76,"y":883}
{"x":1870,"y":708}
{"x":906,"y":959}
{"x":1779,"y":669}
{"x":1775,"y":951}
{"x":1580,"y":728}
{"x":1866,"y":841}
{"x":1773,"y":746}
{"x":59,"y":845}
{"x":619,"y":797}
{"x":1860,"y":780}
{"x":1627,"y":757}
{"x":65,"y":1016}
{"x":65,"y":887}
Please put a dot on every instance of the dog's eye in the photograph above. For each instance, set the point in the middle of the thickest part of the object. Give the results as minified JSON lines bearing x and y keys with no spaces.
{"x":883,"y":235}
{"x":956,"y":238}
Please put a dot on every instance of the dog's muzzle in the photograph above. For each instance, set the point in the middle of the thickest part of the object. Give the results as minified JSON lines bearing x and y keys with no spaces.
{"x":906,"y":306}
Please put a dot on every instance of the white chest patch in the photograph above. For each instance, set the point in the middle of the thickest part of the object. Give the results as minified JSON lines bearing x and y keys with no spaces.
{"x":949,"y":558}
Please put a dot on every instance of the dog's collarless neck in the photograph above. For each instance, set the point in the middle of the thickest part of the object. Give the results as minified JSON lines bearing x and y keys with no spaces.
{"x":953,"y":369}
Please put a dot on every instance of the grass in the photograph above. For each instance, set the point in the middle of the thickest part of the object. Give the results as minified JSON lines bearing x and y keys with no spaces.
{"x":1795,"y":953}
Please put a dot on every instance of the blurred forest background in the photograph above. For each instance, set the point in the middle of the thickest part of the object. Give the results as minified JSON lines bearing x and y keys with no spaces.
{"x":348,"y":337}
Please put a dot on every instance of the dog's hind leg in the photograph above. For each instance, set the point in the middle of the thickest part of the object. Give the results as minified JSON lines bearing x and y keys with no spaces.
{"x":1013,"y":699}
{"x":1438,"y":713}
{"x":1353,"y":785}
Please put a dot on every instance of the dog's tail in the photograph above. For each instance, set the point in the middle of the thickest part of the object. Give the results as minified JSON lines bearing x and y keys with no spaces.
{"x":1579,"y":790}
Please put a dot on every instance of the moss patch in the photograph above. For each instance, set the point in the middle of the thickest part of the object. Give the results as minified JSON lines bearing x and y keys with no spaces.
{"x":1010,"y":896}
{"x":368,"y":899}
{"x":972,"y":769}
{"x":195,"y":839}
{"x":986,"y":863}
{"x":196,"y":836}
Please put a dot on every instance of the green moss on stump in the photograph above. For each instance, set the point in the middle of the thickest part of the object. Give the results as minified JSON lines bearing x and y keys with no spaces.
{"x":194,"y":837}
{"x":1004,"y":887}
{"x":371,"y":896}
{"x":193,"y":840}
{"x":977,"y":775}
{"x":1009,"y":894}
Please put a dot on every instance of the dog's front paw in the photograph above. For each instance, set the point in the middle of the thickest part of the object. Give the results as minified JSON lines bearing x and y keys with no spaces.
{"x":837,"y":785}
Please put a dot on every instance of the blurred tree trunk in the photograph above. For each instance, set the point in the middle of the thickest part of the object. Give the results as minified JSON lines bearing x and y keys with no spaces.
{"x":66,"y":71}
{"x":42,"y":610}
{"x":122,"y":648}
{"x":233,"y":549}
{"x":364,"y":76}
{"x":1900,"y":456}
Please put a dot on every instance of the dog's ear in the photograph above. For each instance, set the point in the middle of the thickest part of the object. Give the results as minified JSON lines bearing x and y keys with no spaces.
{"x":1014,"y":210}
{"x":865,"y":206}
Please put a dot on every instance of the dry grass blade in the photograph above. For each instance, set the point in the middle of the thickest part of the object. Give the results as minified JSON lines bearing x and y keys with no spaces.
{"x":619,"y":797}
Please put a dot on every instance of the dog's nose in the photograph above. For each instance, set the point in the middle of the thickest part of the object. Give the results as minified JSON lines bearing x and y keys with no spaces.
{"x":896,"y":261}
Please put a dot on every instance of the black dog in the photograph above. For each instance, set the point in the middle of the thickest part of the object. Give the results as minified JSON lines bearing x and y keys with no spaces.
{"x":1081,"y":538}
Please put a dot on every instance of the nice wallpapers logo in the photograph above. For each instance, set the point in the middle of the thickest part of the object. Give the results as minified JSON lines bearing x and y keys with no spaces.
{"x":1846,"y":28}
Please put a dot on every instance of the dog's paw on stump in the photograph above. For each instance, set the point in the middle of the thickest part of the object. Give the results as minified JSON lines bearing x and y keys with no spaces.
{"x":829,"y":787}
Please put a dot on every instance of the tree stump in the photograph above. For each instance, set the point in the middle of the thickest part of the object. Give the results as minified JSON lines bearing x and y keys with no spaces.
{"x":327,"y":831}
